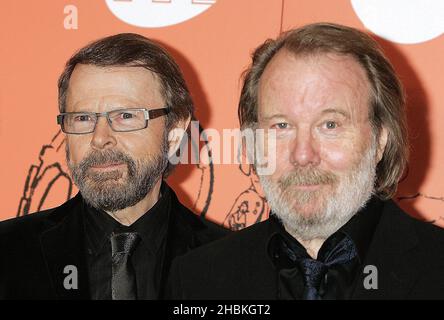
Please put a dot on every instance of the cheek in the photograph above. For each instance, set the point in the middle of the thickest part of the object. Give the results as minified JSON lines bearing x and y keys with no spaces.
{"x":283,"y":164}
{"x":140,"y":144}
{"x":77,"y":149}
{"x":340,"y":157}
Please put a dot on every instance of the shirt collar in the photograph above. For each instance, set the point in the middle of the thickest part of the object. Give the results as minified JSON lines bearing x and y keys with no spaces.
{"x":360,"y":229}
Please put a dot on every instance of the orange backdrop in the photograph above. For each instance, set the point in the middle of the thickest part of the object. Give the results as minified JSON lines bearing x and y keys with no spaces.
{"x":212,"y":48}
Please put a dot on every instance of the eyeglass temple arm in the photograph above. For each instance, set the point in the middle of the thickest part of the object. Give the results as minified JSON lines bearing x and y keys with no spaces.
{"x":156,"y":113}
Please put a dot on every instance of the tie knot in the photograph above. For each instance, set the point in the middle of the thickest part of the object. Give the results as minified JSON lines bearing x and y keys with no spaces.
{"x":124,"y":242}
{"x":313,"y":271}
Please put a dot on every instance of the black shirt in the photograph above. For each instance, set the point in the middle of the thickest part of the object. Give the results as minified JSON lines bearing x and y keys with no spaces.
{"x":340,"y":280}
{"x":147,"y":257}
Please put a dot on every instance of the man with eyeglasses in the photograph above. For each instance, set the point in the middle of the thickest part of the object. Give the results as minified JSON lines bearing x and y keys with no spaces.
{"x":120,"y":100}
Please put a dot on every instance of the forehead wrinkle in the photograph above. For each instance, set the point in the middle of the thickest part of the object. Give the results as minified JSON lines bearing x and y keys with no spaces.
{"x":353,"y":77}
{"x":92,"y":85}
{"x":322,"y":88}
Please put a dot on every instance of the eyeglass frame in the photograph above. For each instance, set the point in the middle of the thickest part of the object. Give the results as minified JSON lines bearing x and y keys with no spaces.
{"x":149,"y":114}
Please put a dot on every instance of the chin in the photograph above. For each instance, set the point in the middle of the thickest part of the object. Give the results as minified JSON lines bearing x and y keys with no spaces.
{"x":108,"y":185}
{"x":309,"y":209}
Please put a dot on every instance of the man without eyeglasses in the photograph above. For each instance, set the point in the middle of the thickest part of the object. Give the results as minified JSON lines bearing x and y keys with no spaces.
{"x":337,"y":111}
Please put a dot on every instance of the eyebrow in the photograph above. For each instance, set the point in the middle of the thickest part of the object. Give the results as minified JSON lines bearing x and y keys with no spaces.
{"x":112,"y":108}
{"x":341,"y":112}
{"x":278,"y":115}
{"x":325,"y":111}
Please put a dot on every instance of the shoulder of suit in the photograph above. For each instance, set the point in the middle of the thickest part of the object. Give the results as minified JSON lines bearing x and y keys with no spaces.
{"x":237,"y":243}
{"x":13,"y":224}
{"x":25,"y":230}
{"x":427,"y":233}
{"x":200,"y":226}
{"x":34,"y":223}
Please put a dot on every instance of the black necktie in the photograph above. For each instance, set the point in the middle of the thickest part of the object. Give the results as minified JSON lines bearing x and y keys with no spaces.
{"x":123,"y":283}
{"x":333,"y":253}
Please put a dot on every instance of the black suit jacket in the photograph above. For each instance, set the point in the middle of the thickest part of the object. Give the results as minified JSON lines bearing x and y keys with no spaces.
{"x":408,"y":255}
{"x":35,"y":249}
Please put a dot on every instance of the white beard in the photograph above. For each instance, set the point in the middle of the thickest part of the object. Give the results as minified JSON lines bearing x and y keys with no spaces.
{"x":352,"y":193}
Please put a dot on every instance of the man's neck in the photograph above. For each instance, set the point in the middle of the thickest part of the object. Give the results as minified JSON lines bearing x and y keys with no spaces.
{"x":311,"y":246}
{"x":129,"y":215}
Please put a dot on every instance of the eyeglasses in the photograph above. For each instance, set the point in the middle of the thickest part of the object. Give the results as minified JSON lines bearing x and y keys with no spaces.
{"x":122,"y":120}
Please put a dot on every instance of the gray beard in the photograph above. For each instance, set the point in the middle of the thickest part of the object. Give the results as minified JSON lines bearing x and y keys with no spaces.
{"x":110,"y":191}
{"x":352,"y":193}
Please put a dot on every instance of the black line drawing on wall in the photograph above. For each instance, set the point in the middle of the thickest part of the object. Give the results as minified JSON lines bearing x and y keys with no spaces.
{"x":250,"y":206}
{"x":44,"y":175}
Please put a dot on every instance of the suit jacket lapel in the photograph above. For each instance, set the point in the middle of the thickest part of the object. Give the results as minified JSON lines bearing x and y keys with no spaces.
{"x":393,"y":253}
{"x":63,"y":247}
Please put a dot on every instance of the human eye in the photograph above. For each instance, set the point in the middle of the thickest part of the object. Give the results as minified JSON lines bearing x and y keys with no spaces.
{"x":125,"y":115}
{"x":280,"y":126}
{"x":331,"y":125}
{"x":82,"y":117}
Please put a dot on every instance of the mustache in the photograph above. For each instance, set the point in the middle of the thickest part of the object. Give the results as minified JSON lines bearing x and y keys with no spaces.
{"x":97,"y":158}
{"x":311,"y":176}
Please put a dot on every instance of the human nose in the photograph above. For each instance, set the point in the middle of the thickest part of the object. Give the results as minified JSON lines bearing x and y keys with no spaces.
{"x":305,"y":150}
{"x":103,"y":135}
